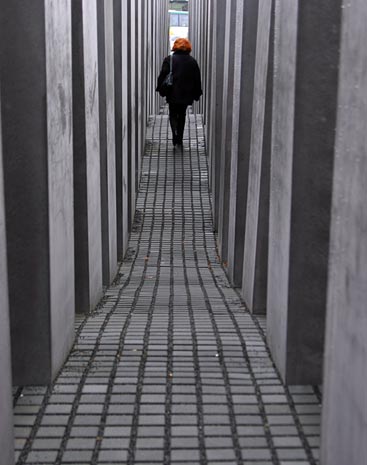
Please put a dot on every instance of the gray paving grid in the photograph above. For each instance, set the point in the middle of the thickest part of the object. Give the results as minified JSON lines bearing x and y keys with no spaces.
{"x":170,"y":368}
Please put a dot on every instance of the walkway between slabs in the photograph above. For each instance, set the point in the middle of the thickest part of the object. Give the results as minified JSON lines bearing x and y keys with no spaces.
{"x":171,"y":368}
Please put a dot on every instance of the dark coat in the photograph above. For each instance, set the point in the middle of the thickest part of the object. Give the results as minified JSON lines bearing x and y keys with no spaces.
{"x":186,"y":78}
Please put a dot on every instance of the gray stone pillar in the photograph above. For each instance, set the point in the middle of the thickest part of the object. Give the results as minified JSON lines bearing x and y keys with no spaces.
{"x":344,"y":419}
{"x":132,"y":111}
{"x":138,"y":82}
{"x":226,"y":128}
{"x":245,"y":48}
{"x":214,"y":142}
{"x":6,"y":417}
{"x":303,"y":137}
{"x":87,"y":174}
{"x":108,"y":144}
{"x":255,"y":262}
{"x":121,"y":154}
{"x":36,"y":88}
{"x":125,"y":129}
{"x":207,"y":78}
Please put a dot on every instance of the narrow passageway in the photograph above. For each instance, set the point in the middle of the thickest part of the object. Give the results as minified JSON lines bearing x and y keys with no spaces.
{"x":170,"y":368}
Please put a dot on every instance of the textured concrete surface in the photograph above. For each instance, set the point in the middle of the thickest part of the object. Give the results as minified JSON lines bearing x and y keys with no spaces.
{"x":304,"y":115}
{"x":140,"y":83}
{"x":87,"y":173}
{"x":60,"y":178}
{"x":245,"y":47}
{"x":214,"y":142}
{"x":125,"y":129}
{"x":226,"y":129}
{"x":37,"y":135}
{"x":171,"y":369}
{"x":119,"y":86}
{"x":344,"y":428}
{"x":132,"y":104}
{"x":108,"y":151}
{"x":6,"y":417}
{"x":255,"y":262}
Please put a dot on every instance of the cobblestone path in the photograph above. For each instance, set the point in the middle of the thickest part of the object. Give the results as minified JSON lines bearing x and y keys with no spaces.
{"x":171,"y":368}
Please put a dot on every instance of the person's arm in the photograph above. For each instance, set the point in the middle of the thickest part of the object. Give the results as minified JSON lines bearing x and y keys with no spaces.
{"x":198,"y":91}
{"x":163,"y":73}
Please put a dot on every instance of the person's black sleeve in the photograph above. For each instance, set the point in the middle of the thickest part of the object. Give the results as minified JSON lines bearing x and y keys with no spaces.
{"x":163,"y":73}
{"x":198,"y":91}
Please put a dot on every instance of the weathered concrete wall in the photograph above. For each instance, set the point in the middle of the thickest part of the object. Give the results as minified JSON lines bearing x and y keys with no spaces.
{"x":113,"y":124}
{"x":214,"y":142}
{"x":108,"y":157}
{"x":132,"y":111}
{"x":125,"y":129}
{"x":255,"y":262}
{"x":226,"y":128}
{"x":35,"y":44}
{"x":344,"y":429}
{"x":303,"y":136}
{"x":245,"y":48}
{"x":60,"y":178}
{"x":6,"y":417}
{"x":87,"y":172}
{"x":119,"y":85}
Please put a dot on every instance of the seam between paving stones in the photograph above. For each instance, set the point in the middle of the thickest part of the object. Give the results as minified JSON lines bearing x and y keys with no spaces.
{"x":170,"y":340}
{"x":123,"y":333}
{"x":198,"y":386}
{"x":220,"y":352}
{"x":141,"y":372}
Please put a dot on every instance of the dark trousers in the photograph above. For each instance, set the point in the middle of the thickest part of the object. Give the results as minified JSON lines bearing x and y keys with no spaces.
{"x":177,"y":116}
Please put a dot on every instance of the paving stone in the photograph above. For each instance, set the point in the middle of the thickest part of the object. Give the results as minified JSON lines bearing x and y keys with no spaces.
{"x":149,"y":455}
{"x":47,"y":444}
{"x":42,"y":456}
{"x":292,"y":454}
{"x":287,"y":441}
{"x":184,"y":420}
{"x":220,"y":454}
{"x":55,"y":420}
{"x":84,"y":431}
{"x":108,"y":456}
{"x":117,"y":431}
{"x":188,"y":443}
{"x":115,"y":443}
{"x":81,"y":443}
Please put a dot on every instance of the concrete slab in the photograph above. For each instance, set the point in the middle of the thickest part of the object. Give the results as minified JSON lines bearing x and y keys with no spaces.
{"x":344,"y":419}
{"x":37,"y":143}
{"x":226,"y":129}
{"x":245,"y":48}
{"x":255,"y":262}
{"x":303,"y":137}
{"x":123,"y":228}
{"x":132,"y":110}
{"x":107,"y":139}
{"x":87,"y":170}
{"x":214,"y":142}
{"x":6,"y":417}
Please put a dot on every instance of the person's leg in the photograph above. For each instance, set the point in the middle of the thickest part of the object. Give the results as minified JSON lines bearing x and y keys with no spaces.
{"x":181,"y":122}
{"x":173,"y":120}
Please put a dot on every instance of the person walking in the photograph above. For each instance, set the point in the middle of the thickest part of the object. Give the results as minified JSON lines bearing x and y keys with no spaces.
{"x":186,"y":85}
